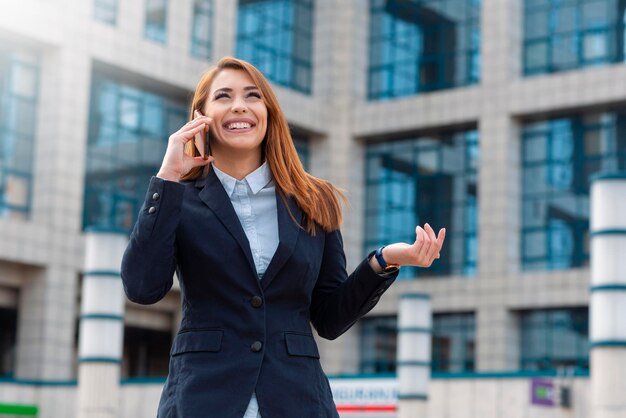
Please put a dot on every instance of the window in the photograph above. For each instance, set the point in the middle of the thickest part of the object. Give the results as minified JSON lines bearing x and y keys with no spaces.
{"x":559,"y":155}
{"x":301,"y":142}
{"x":454,"y":342}
{"x":553,"y":338}
{"x":378,"y":344}
{"x":156,"y":20}
{"x":146,"y":352}
{"x":8,"y":332}
{"x":562,"y":35}
{"x":422,"y":45}
{"x":276,"y":36}
{"x":128,"y":132}
{"x":431,"y":178}
{"x":106,"y":11}
{"x":202,"y":30}
{"x":19,"y":85}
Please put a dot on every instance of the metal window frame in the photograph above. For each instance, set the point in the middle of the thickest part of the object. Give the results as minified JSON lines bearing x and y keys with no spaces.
{"x":286,"y":28}
{"x":471,"y":53}
{"x":380,"y":151}
{"x":8,"y":98}
{"x":615,"y":32}
{"x":202,"y":48}
{"x":579,"y":188}
{"x":547,"y":324}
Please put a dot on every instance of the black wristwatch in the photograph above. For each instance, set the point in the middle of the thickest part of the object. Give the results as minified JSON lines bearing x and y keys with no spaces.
{"x":387,"y":268}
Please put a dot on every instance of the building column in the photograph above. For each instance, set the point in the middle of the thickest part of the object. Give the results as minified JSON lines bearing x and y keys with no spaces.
{"x":414,"y":354}
{"x":101,"y":327}
{"x":607,"y":307}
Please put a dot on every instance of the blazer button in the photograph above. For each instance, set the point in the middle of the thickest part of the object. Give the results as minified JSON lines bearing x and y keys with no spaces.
{"x":256,"y":346}
{"x":156,"y":196}
{"x":256,"y":302}
{"x":152,"y":209}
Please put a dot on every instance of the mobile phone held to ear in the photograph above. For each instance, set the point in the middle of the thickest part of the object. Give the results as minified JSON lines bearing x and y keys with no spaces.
{"x":202,"y":141}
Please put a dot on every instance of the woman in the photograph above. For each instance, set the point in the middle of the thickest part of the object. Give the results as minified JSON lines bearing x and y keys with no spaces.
{"x":256,"y":245}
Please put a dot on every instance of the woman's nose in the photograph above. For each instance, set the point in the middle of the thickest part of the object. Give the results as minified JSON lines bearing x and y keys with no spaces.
{"x":239,"y":105}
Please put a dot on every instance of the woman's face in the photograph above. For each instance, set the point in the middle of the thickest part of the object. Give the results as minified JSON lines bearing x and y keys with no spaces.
{"x":238,"y":111}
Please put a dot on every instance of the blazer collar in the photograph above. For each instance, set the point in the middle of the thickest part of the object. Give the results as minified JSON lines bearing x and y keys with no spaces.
{"x":215,"y":197}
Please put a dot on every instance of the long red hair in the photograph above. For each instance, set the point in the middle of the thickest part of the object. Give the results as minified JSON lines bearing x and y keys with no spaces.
{"x":318,"y":199}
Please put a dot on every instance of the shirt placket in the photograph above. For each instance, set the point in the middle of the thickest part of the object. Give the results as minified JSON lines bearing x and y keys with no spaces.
{"x":241,"y":190}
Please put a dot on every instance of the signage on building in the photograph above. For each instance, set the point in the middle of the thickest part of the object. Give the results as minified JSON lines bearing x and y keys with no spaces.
{"x":542,"y":392}
{"x":365,"y":395}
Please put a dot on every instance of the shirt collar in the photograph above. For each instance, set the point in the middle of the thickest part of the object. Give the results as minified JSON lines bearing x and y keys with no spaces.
{"x":257,"y":180}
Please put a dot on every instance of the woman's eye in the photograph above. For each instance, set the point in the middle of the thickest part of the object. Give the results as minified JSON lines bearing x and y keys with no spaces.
{"x":220,"y":95}
{"x":254,"y":94}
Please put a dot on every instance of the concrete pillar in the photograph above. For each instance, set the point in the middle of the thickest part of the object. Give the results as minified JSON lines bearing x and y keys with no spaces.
{"x":608,"y":296}
{"x":414,"y":354}
{"x":101,"y":327}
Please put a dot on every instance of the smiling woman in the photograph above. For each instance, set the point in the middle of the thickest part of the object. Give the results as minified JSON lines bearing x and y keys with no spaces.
{"x":256,"y":245}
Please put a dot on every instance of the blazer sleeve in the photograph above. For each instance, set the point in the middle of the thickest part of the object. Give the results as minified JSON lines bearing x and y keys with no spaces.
{"x":340,"y":300}
{"x":149,"y":261}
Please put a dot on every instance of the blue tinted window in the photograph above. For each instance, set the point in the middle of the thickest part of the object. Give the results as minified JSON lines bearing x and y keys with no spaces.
{"x":19,"y":86}
{"x":378,"y":344}
{"x":554,"y":338}
{"x":128,"y":132}
{"x":454,"y":342}
{"x":202,"y":29}
{"x":301,"y":143}
{"x":105,"y":11}
{"x":562,"y":35}
{"x":422,"y":45}
{"x":276,"y":36}
{"x":559,"y":155}
{"x":156,"y":20}
{"x":425,"y":179}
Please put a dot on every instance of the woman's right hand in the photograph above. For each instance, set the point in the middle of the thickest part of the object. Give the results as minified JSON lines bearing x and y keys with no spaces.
{"x":176,"y":163}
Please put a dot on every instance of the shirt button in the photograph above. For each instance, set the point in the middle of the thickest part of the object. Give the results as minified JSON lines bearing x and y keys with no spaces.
{"x":256,"y":346}
{"x":156,"y":196}
{"x":152,"y":209}
{"x":256,"y":302}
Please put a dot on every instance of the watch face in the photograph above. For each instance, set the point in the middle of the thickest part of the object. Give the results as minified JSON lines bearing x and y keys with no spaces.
{"x":392,"y":268}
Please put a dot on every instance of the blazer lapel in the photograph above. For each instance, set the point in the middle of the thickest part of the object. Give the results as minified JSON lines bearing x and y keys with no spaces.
{"x":215,"y":197}
{"x":288,"y":232}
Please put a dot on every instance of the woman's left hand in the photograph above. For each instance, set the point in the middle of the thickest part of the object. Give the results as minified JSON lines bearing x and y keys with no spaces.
{"x":421,"y":253}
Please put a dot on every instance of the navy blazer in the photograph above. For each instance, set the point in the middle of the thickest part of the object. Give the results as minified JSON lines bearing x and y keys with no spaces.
{"x":239,"y":334}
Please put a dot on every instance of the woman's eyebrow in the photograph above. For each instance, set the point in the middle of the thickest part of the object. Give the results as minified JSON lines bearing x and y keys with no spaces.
{"x":229,"y":90}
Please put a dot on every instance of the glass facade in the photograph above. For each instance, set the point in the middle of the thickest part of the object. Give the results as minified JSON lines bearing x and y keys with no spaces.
{"x":105,"y":11}
{"x":128,"y":133}
{"x":19,"y":93}
{"x":431,"y":178}
{"x":454,"y":342}
{"x":202,"y":29}
{"x":565,"y":34}
{"x":378,"y":344}
{"x":156,"y":20}
{"x":559,"y":156}
{"x":276,"y":36}
{"x":301,"y":142}
{"x":554,"y":338}
{"x":422,"y":45}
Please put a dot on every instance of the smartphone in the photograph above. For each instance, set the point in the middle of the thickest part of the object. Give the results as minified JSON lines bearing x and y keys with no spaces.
{"x":203,"y":143}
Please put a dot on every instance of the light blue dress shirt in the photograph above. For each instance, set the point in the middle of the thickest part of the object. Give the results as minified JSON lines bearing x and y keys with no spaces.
{"x":254,"y":200}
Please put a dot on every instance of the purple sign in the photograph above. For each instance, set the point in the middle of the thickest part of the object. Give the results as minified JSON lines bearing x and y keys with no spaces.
{"x":542,"y":392}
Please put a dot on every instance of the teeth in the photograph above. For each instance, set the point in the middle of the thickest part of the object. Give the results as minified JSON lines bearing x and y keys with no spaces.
{"x":239,"y":125}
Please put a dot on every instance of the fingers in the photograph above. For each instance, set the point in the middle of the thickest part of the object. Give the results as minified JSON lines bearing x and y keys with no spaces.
{"x":193,"y":127}
{"x":419,"y":239}
{"x":427,"y":245}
